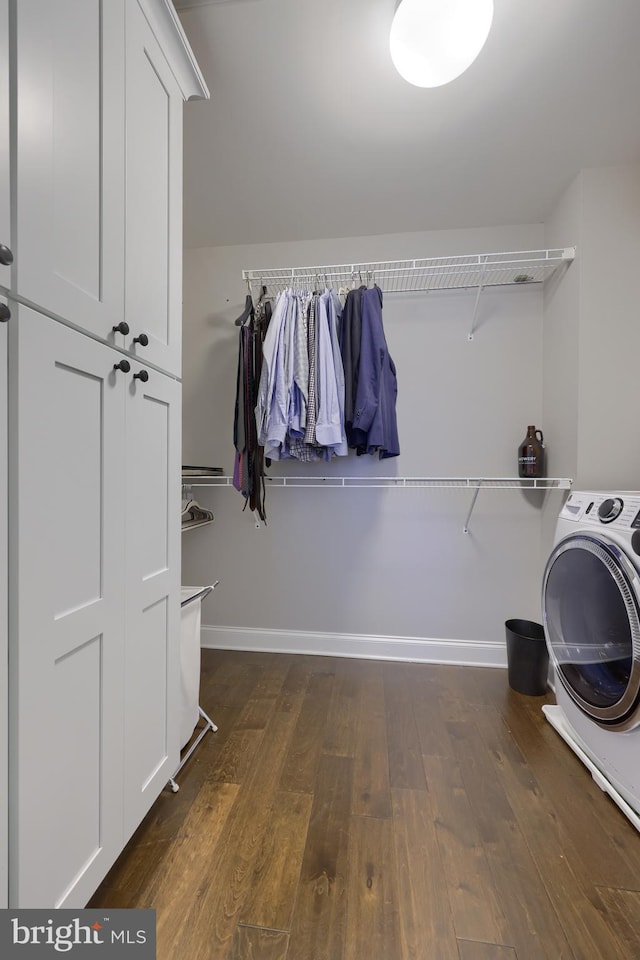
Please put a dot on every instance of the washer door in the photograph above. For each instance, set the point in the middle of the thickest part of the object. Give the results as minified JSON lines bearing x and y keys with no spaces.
{"x":592,"y":625}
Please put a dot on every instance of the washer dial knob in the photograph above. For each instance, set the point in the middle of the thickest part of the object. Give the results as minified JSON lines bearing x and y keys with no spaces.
{"x":610,"y":509}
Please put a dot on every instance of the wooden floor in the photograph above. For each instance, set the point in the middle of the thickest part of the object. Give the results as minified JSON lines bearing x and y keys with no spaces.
{"x":360,"y":810}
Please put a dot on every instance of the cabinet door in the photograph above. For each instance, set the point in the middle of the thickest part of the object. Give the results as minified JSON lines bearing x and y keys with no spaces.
{"x":153,"y":271}
{"x":4,"y":573}
{"x":152,"y":668}
{"x":69,"y":242}
{"x":67,"y":632}
{"x":5,"y":181}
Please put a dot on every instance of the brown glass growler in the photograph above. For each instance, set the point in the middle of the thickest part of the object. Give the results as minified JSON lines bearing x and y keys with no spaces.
{"x":531,"y":454}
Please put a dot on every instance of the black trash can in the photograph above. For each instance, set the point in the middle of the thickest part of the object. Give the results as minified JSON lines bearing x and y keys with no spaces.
{"x":527,"y":657}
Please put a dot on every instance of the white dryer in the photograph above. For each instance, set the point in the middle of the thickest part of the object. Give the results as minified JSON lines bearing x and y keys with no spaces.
{"x":591,"y":614}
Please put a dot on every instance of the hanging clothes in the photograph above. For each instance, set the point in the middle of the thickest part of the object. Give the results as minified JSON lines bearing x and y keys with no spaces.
{"x":300,"y":400}
{"x":271,"y":399}
{"x":329,"y":425}
{"x":350,"y":335}
{"x":313,"y":381}
{"x":334,"y":315}
{"x":193,"y":514}
{"x":248,"y":472}
{"x":370,"y":374}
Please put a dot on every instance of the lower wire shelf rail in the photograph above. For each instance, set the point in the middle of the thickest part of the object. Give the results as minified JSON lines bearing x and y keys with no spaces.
{"x":474,"y":484}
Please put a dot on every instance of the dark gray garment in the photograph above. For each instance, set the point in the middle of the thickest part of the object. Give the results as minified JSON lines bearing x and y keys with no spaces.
{"x":350,"y":336}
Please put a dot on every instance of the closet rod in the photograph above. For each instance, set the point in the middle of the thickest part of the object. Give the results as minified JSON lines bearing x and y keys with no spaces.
{"x":421,"y":275}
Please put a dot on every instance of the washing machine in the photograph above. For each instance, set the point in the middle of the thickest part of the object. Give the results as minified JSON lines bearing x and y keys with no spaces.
{"x":591,"y":615}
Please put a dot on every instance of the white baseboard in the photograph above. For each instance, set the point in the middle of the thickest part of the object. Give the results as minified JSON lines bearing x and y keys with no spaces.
{"x":415,"y":649}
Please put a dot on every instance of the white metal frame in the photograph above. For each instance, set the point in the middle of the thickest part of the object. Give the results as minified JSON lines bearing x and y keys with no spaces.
{"x":421,"y":275}
{"x":478,"y":270}
{"x":209,"y":724}
{"x":502,"y":483}
{"x":403,"y":483}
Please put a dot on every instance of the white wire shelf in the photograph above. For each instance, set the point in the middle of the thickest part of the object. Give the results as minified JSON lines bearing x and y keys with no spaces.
{"x":469,"y":483}
{"x":420,"y":275}
{"x":475,"y":484}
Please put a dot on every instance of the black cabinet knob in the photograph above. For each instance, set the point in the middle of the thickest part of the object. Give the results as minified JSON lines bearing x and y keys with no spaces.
{"x":124,"y":365}
{"x":5,"y":313}
{"x":143,"y":376}
{"x":143,"y":340}
{"x":6,"y":257}
{"x":122,"y":327}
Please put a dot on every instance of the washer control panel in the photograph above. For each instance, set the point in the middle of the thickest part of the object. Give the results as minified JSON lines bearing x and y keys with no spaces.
{"x":619,"y":509}
{"x":610,"y":509}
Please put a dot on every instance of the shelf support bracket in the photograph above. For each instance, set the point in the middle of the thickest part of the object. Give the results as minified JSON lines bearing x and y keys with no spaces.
{"x":473,"y":503}
{"x":477,"y":302}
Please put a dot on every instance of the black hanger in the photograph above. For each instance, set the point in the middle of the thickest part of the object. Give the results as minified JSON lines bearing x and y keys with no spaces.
{"x":247,"y":312}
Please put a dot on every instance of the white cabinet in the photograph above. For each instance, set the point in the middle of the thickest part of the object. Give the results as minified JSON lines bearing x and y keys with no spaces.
{"x":95,"y":92}
{"x":98,"y":179}
{"x":5,"y":180}
{"x":69,"y":177}
{"x":4,"y":650}
{"x":68,"y":627}
{"x":153,"y":271}
{"x":152,"y":653}
{"x":95,"y":676}
{"x":5,"y":238}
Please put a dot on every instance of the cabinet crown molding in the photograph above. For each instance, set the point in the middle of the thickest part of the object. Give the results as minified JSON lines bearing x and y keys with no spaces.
{"x":169,"y":33}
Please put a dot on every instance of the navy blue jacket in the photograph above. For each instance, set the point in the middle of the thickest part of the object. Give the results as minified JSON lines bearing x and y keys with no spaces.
{"x":375,"y":427}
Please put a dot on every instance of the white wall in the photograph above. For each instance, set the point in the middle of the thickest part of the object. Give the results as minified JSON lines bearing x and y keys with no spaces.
{"x":591,"y":333}
{"x":335,"y":568}
{"x":561,"y":339}
{"x":561,"y":354}
{"x":592,"y":337}
{"x":609,"y":392}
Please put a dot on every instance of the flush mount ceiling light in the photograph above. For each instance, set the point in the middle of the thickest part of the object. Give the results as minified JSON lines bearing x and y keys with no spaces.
{"x":433,"y":41}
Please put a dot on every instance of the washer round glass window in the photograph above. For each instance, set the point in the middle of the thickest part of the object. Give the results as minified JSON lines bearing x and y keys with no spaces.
{"x":593,"y":626}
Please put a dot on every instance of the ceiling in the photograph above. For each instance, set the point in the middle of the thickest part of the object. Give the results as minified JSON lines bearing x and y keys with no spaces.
{"x":311,"y":133}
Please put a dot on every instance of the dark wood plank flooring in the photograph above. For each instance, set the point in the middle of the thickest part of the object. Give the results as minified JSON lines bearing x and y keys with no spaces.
{"x":363,"y":810}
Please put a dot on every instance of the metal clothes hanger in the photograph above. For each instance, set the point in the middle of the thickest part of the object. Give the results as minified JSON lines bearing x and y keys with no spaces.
{"x":246,"y":313}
